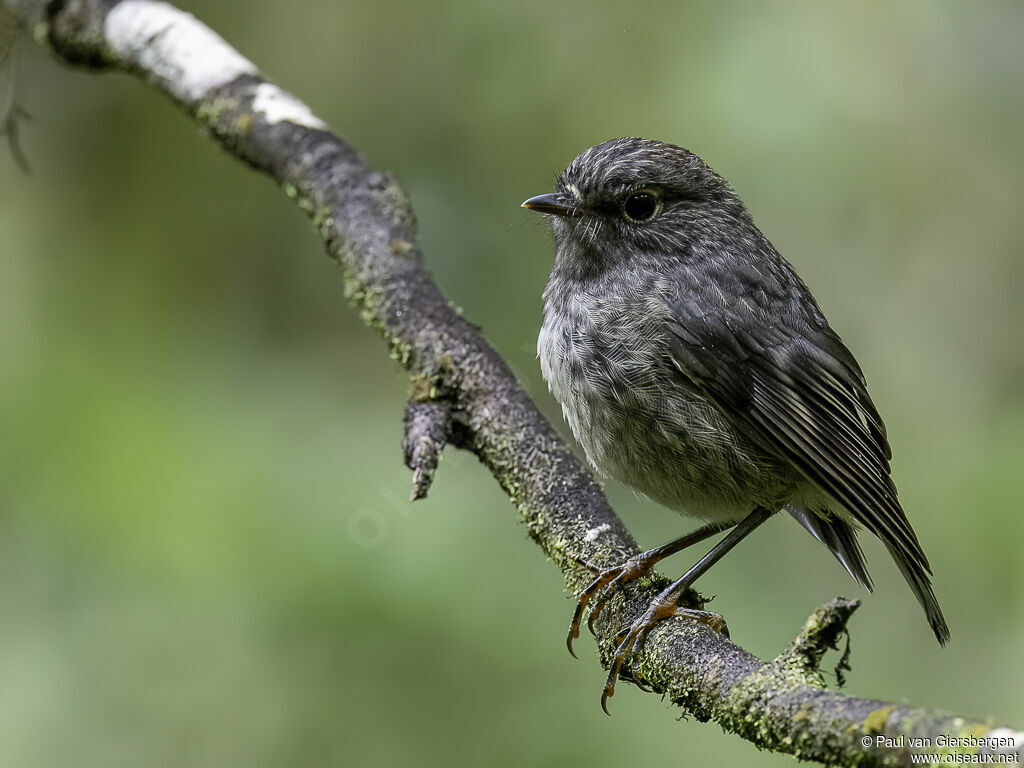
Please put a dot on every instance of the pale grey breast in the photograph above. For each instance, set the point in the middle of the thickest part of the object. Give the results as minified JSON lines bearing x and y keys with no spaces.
{"x":616,"y":398}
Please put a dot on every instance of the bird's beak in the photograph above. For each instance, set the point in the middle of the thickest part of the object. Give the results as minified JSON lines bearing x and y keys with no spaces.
{"x":554,"y":203}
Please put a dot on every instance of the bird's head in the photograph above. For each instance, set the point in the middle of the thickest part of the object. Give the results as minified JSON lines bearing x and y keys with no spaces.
{"x":633,"y":196}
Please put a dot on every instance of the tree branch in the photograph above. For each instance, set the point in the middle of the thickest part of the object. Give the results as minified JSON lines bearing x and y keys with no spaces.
{"x":463,"y":393}
{"x":428,"y":428}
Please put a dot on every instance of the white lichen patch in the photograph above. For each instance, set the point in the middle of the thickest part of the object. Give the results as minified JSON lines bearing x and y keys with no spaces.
{"x":189,"y":58}
{"x":593,"y":533}
{"x":275,"y":106}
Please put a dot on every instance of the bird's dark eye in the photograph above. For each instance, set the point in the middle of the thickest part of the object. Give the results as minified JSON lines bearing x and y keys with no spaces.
{"x":640,"y":206}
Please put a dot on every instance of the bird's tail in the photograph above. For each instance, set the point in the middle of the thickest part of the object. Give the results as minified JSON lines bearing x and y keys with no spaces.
{"x":839,"y":538}
{"x":918,"y":576}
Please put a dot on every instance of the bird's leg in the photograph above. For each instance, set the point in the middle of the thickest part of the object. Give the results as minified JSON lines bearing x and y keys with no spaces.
{"x":608,"y":580}
{"x":666,"y":604}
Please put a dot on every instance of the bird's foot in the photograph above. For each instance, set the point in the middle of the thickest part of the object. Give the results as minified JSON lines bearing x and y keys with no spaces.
{"x":631,"y":640}
{"x":606,"y":582}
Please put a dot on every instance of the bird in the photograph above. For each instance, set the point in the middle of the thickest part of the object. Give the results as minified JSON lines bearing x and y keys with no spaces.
{"x":694,"y":365}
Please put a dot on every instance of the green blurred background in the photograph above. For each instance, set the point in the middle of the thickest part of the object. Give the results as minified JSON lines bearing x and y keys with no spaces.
{"x":206,"y":556}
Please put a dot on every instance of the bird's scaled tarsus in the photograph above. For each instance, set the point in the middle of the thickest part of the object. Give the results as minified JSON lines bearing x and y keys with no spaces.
{"x":666,"y":604}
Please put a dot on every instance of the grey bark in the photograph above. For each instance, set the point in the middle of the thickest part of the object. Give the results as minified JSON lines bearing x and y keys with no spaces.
{"x":464,"y":394}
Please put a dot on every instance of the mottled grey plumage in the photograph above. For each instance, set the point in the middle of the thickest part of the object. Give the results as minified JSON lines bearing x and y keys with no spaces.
{"x":694,"y":365}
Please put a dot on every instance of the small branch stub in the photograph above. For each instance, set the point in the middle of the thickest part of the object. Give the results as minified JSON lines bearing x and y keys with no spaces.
{"x":427,"y":428}
{"x":821,"y":633}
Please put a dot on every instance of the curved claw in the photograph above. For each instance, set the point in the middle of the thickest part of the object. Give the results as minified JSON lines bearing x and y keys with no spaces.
{"x":574,"y":629}
{"x":609,"y":688}
{"x":631,"y":640}
{"x":609,"y":684}
{"x":595,"y":587}
{"x":581,"y":605}
{"x":624,"y":650}
{"x":606,"y":582}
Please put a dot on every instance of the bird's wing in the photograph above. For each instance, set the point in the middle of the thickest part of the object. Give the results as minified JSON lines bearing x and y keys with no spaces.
{"x":801,"y":396}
